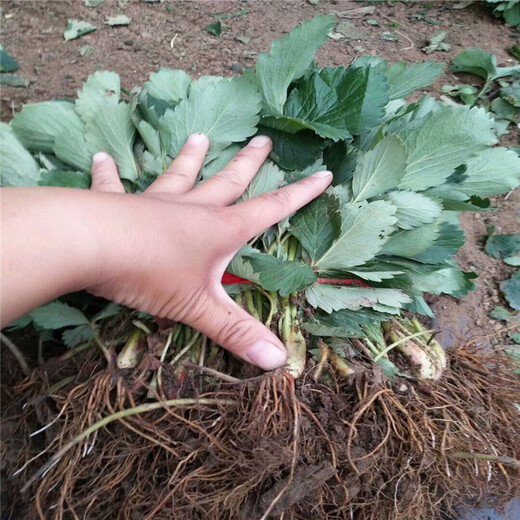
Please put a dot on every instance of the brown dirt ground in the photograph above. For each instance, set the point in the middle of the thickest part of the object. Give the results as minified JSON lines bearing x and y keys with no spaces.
{"x":171,"y":33}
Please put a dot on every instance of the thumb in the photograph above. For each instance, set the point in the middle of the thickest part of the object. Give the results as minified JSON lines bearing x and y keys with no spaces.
{"x":104,"y":174}
{"x":234,"y":329}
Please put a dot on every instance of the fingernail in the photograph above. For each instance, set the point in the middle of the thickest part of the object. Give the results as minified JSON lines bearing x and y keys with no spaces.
{"x":266,"y":355}
{"x":324,"y":173}
{"x":100,"y":157}
{"x":260,"y":141}
{"x":198,"y":138}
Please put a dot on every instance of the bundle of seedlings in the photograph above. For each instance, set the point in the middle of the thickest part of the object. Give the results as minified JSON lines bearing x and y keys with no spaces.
{"x":371,"y":417}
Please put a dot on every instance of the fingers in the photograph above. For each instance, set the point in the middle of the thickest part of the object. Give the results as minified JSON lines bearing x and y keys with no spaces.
{"x":228,"y":185}
{"x":182,"y":172}
{"x":104,"y":174}
{"x":255,"y":215}
{"x":233,"y":328}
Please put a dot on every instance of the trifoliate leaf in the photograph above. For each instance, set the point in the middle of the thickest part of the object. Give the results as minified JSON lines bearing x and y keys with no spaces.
{"x":56,"y":315}
{"x":280,"y":275}
{"x":65,"y":179}
{"x":225,"y":110}
{"x":491,"y":172}
{"x":288,"y":60}
{"x":413,"y":209}
{"x":501,"y":246}
{"x":77,"y":335}
{"x":409,"y":243}
{"x":268,"y":178}
{"x":511,"y":290}
{"x":120,"y":19}
{"x":329,"y":298}
{"x":18,"y":167}
{"x":70,"y":146}
{"x":100,"y":90}
{"x":168,"y":85}
{"x":317,"y":225}
{"x":112,"y":131}
{"x":343,"y":324}
{"x":500,"y":313}
{"x":403,"y":79}
{"x":7,"y":62}
{"x":293,"y":151}
{"x":38,"y":125}
{"x":448,"y":242}
{"x":379,"y":169}
{"x":364,"y":229}
{"x":77,"y":28}
{"x":441,"y":141}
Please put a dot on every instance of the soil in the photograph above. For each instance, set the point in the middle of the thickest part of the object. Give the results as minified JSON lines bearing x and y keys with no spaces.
{"x":171,"y":33}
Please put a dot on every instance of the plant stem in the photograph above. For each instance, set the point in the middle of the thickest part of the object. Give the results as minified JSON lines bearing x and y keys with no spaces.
{"x":116,"y":416}
{"x":183,"y":351}
{"x":17,"y":354}
{"x":398,"y":342}
{"x":251,"y":304}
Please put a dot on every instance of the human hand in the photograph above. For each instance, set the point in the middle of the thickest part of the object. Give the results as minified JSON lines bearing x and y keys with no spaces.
{"x":164,"y":252}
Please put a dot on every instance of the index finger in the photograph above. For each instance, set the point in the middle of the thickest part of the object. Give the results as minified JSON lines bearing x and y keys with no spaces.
{"x":259,"y":213}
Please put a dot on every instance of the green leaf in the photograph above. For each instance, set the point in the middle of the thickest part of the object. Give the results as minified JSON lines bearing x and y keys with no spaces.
{"x":511,"y":290}
{"x":76,"y":336}
{"x":101,"y":89}
{"x":112,"y":131}
{"x":500,"y":313}
{"x":168,"y":85}
{"x":413,"y":209}
{"x":513,"y":260}
{"x":409,"y":243}
{"x":379,"y":169}
{"x":317,"y":225}
{"x":225,"y":110}
{"x":364,"y":229}
{"x":18,"y":167}
{"x":330,"y":298}
{"x":450,"y":280}
{"x":120,"y":19}
{"x":77,"y":28}
{"x":449,"y":241}
{"x":38,"y":125}
{"x":366,"y":92}
{"x":56,"y":315}
{"x":268,"y":178}
{"x":502,"y":246}
{"x":109,"y":310}
{"x":343,"y":324}
{"x":65,"y":179}
{"x":403,"y":79}
{"x":475,"y":61}
{"x":12,"y":80}
{"x":293,"y":151}
{"x":280,"y":275}
{"x":437,"y":43}
{"x":289,"y":59}
{"x":321,"y":103}
{"x":240,"y":265}
{"x":221,"y":160}
{"x":7,"y":62}
{"x":214,"y":28}
{"x":367,"y":273}
{"x":441,"y":141}
{"x":92,"y":3}
{"x":491,"y":172}
{"x":86,"y":50}
{"x":70,"y":146}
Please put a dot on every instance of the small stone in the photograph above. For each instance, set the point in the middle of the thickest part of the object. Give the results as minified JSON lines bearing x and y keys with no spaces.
{"x":129,"y":43}
{"x":238,"y":67}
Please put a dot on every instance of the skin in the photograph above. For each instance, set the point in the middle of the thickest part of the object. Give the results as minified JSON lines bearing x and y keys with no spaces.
{"x":162,"y":252}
